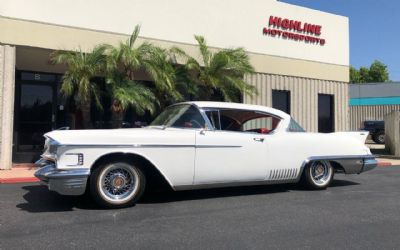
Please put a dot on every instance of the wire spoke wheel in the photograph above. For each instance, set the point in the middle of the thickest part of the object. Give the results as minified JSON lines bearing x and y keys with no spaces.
{"x":118,"y":183}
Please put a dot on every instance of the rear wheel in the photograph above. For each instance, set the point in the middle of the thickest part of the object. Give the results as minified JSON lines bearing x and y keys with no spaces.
{"x":117,"y":184}
{"x":318,"y":175}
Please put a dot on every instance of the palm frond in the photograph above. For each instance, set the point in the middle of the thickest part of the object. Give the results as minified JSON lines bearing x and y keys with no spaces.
{"x":204,"y":50}
{"x":133,"y":94}
{"x":134,"y":36}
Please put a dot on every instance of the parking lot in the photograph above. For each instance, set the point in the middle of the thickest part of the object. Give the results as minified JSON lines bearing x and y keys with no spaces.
{"x":357,"y":212}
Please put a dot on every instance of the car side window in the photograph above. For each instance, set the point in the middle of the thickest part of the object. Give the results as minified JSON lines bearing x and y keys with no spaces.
{"x":262,"y":125}
{"x":213,"y":116}
{"x":242,"y":120}
{"x":191,"y":118}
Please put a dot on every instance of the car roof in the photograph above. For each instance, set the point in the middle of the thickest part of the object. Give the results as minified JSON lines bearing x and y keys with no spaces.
{"x":232,"y":105}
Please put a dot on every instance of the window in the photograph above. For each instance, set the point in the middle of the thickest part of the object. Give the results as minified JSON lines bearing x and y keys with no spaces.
{"x":213,"y":116}
{"x":180,"y":116}
{"x":242,"y":120}
{"x":281,"y":100}
{"x":295,"y":127}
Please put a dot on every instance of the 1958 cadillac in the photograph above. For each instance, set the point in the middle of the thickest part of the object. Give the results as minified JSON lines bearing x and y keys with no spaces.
{"x":198,"y":145}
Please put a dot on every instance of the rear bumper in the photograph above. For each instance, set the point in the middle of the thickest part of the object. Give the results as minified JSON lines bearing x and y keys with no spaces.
{"x":65,"y":182}
{"x":369,"y":164}
{"x":357,"y":164}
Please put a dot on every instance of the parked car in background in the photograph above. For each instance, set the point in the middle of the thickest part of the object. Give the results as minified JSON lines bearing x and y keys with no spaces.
{"x":376,"y":129}
{"x":196,"y":145}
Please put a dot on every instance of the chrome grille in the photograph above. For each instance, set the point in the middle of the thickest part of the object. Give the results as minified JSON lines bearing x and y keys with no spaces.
{"x":283,"y":174}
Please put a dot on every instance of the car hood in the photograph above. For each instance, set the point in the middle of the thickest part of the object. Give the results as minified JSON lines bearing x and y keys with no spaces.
{"x":126,"y":136}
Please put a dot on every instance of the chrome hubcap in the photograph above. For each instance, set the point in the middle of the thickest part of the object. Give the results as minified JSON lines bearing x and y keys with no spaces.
{"x":320,"y":172}
{"x":118,"y":182}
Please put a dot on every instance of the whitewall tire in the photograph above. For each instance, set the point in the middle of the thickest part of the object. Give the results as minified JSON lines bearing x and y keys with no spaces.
{"x":318,"y":174}
{"x":117,"y":184}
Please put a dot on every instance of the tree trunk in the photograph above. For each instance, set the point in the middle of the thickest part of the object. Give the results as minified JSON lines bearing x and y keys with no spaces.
{"x":86,"y":116}
{"x":117,"y":119}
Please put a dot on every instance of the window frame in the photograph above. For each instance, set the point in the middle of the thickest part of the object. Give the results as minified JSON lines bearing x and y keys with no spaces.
{"x":202,"y":114}
{"x":206,"y":109}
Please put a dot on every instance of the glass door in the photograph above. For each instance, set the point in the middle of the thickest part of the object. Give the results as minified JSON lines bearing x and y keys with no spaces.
{"x":35,"y":114}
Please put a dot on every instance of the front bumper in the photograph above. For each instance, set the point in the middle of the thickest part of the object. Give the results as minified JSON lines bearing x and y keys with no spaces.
{"x":65,"y":182}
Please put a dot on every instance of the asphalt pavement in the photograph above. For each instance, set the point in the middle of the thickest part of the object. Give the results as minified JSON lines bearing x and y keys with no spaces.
{"x":356,"y":212}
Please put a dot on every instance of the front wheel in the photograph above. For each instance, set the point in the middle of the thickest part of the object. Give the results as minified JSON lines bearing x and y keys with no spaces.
{"x":318,"y":175}
{"x":117,"y":184}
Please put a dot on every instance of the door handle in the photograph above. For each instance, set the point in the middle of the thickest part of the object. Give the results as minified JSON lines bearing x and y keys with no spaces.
{"x":259,"y":139}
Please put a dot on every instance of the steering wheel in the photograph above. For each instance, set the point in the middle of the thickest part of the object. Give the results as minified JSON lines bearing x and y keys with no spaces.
{"x":198,"y":125}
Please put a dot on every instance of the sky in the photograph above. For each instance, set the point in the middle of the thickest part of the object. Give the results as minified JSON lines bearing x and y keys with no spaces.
{"x":374,"y":29}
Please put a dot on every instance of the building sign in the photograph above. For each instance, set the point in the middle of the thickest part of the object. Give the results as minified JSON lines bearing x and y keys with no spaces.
{"x":294,"y":30}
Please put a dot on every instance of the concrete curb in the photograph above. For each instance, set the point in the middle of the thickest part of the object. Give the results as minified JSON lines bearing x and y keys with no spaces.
{"x":18,"y":180}
{"x":19,"y":173}
{"x":384,"y":164}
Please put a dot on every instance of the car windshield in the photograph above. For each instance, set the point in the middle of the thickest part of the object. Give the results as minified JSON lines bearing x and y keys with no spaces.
{"x":180,"y":116}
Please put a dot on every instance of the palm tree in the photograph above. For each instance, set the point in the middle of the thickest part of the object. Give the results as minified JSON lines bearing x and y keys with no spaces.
{"x":77,"y":80}
{"x":221,"y":71}
{"x":124,"y":61}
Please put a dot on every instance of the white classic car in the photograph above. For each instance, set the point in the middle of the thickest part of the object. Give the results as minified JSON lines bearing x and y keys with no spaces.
{"x":198,"y":145}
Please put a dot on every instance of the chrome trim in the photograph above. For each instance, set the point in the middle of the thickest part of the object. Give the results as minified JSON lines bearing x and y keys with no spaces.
{"x":150,"y":146}
{"x":49,"y":157}
{"x":336,"y":158}
{"x":259,"y":139}
{"x":43,"y":162}
{"x":65,"y":182}
{"x":210,"y":127}
{"x":232,"y":184}
{"x":79,"y":159}
{"x":218,"y":146}
{"x":204,"y":109}
{"x":369,"y":164}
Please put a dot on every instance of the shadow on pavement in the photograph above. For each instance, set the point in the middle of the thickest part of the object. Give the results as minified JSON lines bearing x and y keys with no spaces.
{"x":40,"y":199}
{"x":341,"y":183}
{"x":165,"y":197}
{"x":171,"y":196}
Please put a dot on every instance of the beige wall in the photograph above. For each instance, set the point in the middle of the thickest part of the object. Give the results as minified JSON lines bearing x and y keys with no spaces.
{"x":303,"y":97}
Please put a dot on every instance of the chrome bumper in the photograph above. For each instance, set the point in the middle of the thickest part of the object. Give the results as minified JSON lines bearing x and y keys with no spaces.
{"x":353,"y":164}
{"x":65,"y":182}
{"x":369,"y":164}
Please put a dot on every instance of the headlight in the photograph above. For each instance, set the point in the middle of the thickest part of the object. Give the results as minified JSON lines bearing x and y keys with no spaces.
{"x":50,"y":149}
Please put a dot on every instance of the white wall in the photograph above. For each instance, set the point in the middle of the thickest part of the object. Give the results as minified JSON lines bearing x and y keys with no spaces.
{"x":224,"y":23}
